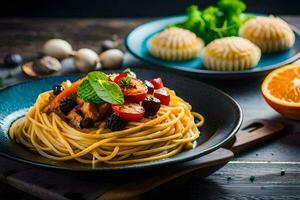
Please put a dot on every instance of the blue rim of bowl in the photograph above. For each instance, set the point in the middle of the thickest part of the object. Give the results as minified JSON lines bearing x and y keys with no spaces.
{"x":204,"y":72}
{"x":144,"y":165}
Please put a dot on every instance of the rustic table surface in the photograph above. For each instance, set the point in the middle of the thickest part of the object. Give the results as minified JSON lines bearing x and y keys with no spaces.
{"x":274,"y":167}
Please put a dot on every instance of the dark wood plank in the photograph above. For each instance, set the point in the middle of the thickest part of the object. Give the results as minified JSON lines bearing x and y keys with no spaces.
{"x":233,"y":182}
{"x":46,"y":184}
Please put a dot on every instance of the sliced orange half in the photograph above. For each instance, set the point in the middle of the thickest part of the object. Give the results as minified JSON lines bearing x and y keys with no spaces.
{"x":281,"y":90}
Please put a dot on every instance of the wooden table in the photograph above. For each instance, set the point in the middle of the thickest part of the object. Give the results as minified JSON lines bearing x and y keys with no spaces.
{"x":275,"y":166}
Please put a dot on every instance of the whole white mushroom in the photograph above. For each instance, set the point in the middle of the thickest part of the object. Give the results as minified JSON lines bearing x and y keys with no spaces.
{"x":57,"y":48}
{"x":112,"y":58}
{"x":85,"y":60}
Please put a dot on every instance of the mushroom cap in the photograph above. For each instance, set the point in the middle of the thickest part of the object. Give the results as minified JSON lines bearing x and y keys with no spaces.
{"x":57,"y":48}
{"x":85,"y":59}
{"x":112,"y":58}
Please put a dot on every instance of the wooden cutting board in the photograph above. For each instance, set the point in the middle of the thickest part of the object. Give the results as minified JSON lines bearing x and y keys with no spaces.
{"x":53,"y":185}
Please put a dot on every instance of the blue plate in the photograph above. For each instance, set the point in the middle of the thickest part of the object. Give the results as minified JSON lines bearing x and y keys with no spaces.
{"x":210,"y":102}
{"x":137,"y":44}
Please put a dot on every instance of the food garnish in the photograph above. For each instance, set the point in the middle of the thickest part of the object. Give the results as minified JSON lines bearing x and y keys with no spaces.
{"x":97,"y":88}
{"x":125,"y":82}
{"x":150,"y":87}
{"x":115,"y":122}
{"x":157,"y":83}
{"x":129,"y":112}
{"x":69,"y":91}
{"x":57,"y":89}
{"x":163,"y":96}
{"x":126,"y":94}
{"x":136,"y":92}
{"x":67,"y":104}
{"x":151,"y":106}
{"x":87,"y":123}
{"x":214,"y":22}
{"x":119,"y":77}
{"x":130,"y":73}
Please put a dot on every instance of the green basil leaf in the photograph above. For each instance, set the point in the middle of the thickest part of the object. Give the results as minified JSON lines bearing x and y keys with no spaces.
{"x":87,"y":93}
{"x":97,"y":75}
{"x":108,"y":91}
{"x":125,"y":82}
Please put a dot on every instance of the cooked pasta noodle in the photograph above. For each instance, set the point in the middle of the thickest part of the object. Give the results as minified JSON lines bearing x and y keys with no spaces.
{"x":173,"y":130}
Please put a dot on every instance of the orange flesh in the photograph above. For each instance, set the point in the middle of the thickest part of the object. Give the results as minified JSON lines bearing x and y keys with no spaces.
{"x":283,"y":85}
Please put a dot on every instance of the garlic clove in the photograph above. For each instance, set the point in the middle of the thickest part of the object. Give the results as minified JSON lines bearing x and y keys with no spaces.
{"x":112,"y":58}
{"x":85,"y":59}
{"x":57,"y":48}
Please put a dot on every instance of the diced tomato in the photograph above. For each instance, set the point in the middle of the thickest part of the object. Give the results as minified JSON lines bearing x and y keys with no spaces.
{"x":130,"y":112}
{"x":118,"y":78}
{"x":149,"y":86}
{"x":163,"y":96}
{"x":157,"y":83}
{"x":136,"y":93}
{"x":135,"y":98}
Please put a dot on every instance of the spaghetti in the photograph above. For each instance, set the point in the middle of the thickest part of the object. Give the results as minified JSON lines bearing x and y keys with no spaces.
{"x":170,"y":132}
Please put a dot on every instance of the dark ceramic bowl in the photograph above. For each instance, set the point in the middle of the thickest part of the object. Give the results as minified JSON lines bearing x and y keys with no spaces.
{"x":222,"y":114}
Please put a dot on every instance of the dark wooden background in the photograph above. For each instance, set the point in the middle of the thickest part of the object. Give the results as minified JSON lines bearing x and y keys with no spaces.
{"x":128,"y":8}
{"x":25,"y":36}
{"x":232,"y":181}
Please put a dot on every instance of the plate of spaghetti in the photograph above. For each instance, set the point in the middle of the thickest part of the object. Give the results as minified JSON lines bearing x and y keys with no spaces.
{"x":114,"y":120}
